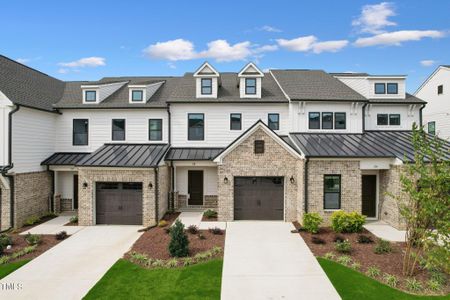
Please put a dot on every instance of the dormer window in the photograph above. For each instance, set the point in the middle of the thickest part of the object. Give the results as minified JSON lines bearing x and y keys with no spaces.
{"x":392,"y":88}
{"x":250,"y":86}
{"x":137,"y":95}
{"x":380,"y":88}
{"x":206,"y":86}
{"x":90,"y":96}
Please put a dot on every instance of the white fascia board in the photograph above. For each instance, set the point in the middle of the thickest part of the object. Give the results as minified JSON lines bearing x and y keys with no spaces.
{"x":250,"y":65}
{"x":203,"y":66}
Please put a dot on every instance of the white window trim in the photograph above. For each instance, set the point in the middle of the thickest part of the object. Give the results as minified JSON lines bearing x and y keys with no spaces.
{"x":96,"y":90}
{"x":137,"y":88}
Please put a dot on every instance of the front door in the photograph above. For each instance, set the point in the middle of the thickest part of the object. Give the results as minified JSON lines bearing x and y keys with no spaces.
{"x":75,"y":191}
{"x":369,"y":195}
{"x":195,"y":187}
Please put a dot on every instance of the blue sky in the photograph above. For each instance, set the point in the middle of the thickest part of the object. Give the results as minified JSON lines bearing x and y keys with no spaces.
{"x":86,"y":40}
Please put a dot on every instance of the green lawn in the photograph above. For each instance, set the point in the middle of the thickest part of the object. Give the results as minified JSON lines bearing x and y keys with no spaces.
{"x":11,"y":267}
{"x":126,"y":280}
{"x":354,"y":285}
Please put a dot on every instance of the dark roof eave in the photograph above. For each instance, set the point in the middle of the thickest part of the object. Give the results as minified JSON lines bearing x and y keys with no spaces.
{"x":331,"y":100}
{"x":256,"y":101}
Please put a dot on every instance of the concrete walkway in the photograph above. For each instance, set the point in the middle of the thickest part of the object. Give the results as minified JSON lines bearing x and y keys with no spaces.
{"x":70,"y":269}
{"x":54,"y":226}
{"x":195,"y":218}
{"x":264,"y":260}
{"x":386,"y":231}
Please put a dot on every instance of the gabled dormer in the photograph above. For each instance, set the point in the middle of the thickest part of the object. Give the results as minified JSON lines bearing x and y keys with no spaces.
{"x":250,"y":81}
{"x":206,"y":81}
{"x":140,"y":93}
{"x":97,"y":92}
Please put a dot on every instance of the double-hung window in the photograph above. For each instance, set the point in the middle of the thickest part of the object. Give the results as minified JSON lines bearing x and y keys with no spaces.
{"x":394,"y":119}
{"x":340,"y":120}
{"x":155,"y":129}
{"x":80,"y":132}
{"x":332,"y":191}
{"x":432,"y":127}
{"x":327,"y":120}
{"x":196,"y":127}
{"x":274,"y":121}
{"x":250,"y":86}
{"x":382,"y":119}
{"x":314,"y":120}
{"x":235,"y":121}
{"x":118,"y":130}
{"x":206,"y":86}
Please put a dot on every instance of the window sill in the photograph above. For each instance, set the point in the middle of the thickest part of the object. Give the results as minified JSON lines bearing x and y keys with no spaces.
{"x":331,"y":209}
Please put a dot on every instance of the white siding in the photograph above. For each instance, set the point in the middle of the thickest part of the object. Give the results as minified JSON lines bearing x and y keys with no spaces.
{"x":407,"y":116}
{"x":64,"y":184}
{"x":359,"y":84}
{"x":33,"y":139}
{"x":209,"y":180}
{"x":217,"y":121}
{"x":5,"y":108}
{"x":438,"y":106}
{"x":100,"y":122}
{"x":300,"y":115}
{"x":366,"y":86}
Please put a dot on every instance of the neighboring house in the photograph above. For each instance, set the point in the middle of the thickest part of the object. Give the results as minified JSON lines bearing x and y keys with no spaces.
{"x":436,"y":115}
{"x":251,"y":145}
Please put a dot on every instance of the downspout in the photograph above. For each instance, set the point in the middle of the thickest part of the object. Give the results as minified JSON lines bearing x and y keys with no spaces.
{"x":306,"y":184}
{"x":420,"y":115}
{"x":10,"y":165}
{"x":172,"y":170}
{"x":169,"y":131}
{"x":364,"y":117}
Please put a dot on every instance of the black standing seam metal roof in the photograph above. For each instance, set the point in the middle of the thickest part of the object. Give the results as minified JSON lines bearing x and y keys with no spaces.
{"x":64,"y":158}
{"x":192,"y":153}
{"x":126,"y":155}
{"x":369,"y":144}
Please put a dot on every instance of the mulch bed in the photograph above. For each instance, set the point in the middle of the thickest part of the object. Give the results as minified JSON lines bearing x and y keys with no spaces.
{"x":155,"y":242}
{"x":205,"y":219}
{"x":19,"y":242}
{"x":41,"y":220}
{"x":72,"y":224}
{"x":390,"y":263}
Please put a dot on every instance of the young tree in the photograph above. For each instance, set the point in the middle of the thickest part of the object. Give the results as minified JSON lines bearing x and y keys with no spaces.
{"x":179,"y":243}
{"x":425,"y":203}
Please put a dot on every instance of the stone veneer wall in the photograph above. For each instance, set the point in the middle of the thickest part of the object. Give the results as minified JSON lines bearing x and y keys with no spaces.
{"x":5,"y":215}
{"x":86,"y":196}
{"x":210,"y":201}
{"x":350,"y":185}
{"x":164,"y":190}
{"x":388,"y":206}
{"x":32,"y":195}
{"x":275,"y":161}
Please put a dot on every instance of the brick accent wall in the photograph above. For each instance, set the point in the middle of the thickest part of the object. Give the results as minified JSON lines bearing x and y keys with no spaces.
{"x":86,"y":196}
{"x":32,"y":195}
{"x":66,"y":204}
{"x":275,"y":161}
{"x":5,"y":216}
{"x":164,"y":190}
{"x":210,"y":201}
{"x":388,"y":206}
{"x":181,"y":201}
{"x":350,"y":185}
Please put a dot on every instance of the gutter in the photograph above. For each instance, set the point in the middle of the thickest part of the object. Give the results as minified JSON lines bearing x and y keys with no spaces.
{"x":420,"y":115}
{"x":306,"y":184}
{"x":10,"y":165}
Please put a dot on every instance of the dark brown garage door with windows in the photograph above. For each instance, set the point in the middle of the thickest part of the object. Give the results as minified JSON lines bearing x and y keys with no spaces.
{"x":119,"y":203}
{"x":258,"y":198}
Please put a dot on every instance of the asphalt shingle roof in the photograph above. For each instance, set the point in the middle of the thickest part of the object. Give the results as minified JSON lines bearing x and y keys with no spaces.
{"x":185,"y":91}
{"x":314,"y":85}
{"x":408,"y":99}
{"x":28,"y":87}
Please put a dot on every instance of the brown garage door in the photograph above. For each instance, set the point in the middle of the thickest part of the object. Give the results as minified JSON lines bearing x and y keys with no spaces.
{"x":119,"y":203}
{"x":258,"y":198}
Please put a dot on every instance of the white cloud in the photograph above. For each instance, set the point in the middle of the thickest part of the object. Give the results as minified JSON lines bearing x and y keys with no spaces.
{"x":173,"y":50}
{"x":395,"y":38}
{"x":427,"y":62}
{"x":374,"y":18}
{"x":268,"y":28}
{"x":222,"y":51}
{"x":265,"y":48}
{"x":93,"y":61}
{"x":310,"y":43}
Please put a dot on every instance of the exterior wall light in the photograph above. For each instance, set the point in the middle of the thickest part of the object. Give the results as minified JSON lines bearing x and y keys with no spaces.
{"x":85,"y":185}
{"x":150,"y":185}
{"x":225,"y":180}
{"x":292,"y":179}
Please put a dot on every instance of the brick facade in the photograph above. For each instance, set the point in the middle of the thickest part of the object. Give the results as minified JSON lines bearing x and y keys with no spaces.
{"x":350,"y":185}
{"x":164,"y":181}
{"x":5,"y":197}
{"x":86,"y":206}
{"x":275,"y":161}
{"x":388,"y":206}
{"x":33,"y":192}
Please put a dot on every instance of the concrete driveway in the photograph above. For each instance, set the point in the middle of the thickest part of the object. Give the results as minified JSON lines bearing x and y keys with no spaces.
{"x":263,"y":260}
{"x":70,"y":269}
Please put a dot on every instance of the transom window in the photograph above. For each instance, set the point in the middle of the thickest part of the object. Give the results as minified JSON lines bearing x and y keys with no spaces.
{"x":196,"y":127}
{"x":206,"y":86}
{"x":250,"y":86}
{"x":118,"y":130}
{"x":380,"y":88}
{"x":314,"y":120}
{"x":274,"y":121}
{"x":392,"y":88}
{"x":432,"y":127}
{"x":235,"y":121}
{"x":155,"y":129}
{"x":327,"y":120}
{"x":332,"y":191}
{"x":440,"y":89}
{"x":137,"y":95}
{"x":90,"y":96}
{"x":340,"y":120}
{"x":80,"y":132}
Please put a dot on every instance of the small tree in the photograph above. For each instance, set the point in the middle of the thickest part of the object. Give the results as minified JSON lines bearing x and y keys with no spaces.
{"x":425,"y":209}
{"x":179,"y":243}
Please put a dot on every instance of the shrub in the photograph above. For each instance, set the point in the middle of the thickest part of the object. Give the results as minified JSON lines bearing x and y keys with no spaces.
{"x":364,"y":239}
{"x":201,"y":236}
{"x":4,"y":260}
{"x":5,"y":240}
{"x":188,"y":261}
{"x":32,"y":239}
{"x":344,"y":260}
{"x":179,"y":243}
{"x":139,"y":258}
{"x":158,"y":263}
{"x":390,"y":280}
{"x":192,"y":229}
{"x":343,"y":247}
{"x":31,"y":221}
{"x":373,"y":271}
{"x":215,"y":230}
{"x":317,"y":240}
{"x":342,"y":221}
{"x":210,"y":214}
{"x":23,"y":252}
{"x":355,"y":266}
{"x":74,"y":219}
{"x":382,"y":246}
{"x":439,"y":277}
{"x":329,"y":256}
{"x":172,"y":263}
{"x":434,"y":285}
{"x":312,"y":221}
{"x":61,"y":235}
{"x":162,"y":223}
{"x":413,"y":285}
{"x":216,"y":250}
{"x":338,"y":238}
{"x":167,"y":230}
{"x":201,"y":256}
